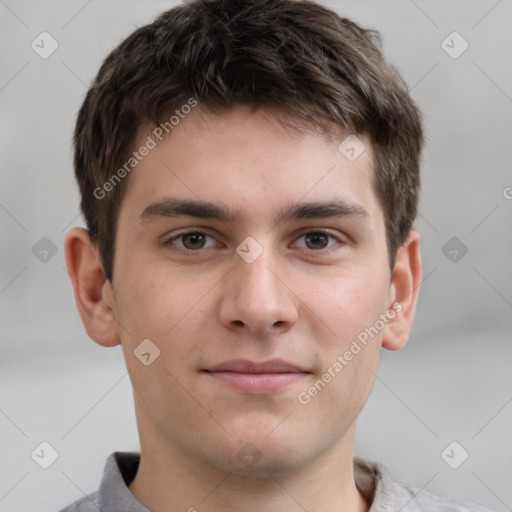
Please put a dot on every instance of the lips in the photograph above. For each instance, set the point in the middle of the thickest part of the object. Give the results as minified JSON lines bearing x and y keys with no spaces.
{"x":256,"y":377}
{"x":245,"y":366}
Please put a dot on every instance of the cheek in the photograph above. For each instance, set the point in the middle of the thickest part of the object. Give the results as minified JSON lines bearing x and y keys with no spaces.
{"x":172,"y":309}
{"x":154,"y":301}
{"x":346,"y":304}
{"x":350,"y":306}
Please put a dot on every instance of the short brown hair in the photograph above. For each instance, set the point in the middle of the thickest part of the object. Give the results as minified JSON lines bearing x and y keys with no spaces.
{"x":294,"y":56}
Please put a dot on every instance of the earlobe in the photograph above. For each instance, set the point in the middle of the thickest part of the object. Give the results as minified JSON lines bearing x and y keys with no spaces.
{"x":404,"y":291}
{"x":93,"y":294}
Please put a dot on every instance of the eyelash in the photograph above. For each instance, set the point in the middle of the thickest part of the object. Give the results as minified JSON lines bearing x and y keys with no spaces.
{"x":169,"y":242}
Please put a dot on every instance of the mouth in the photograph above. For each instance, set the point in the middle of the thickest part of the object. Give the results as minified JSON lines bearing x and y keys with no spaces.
{"x":257,"y":377}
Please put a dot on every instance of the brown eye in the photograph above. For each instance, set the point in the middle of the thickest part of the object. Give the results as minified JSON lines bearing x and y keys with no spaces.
{"x":194,"y":240}
{"x":191,"y":241}
{"x":317,"y":240}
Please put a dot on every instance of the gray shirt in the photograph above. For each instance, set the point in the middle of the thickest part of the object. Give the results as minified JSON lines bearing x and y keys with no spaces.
{"x":372,"y":480}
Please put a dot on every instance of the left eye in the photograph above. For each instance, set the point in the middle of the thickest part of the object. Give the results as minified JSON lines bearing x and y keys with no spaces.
{"x":318,"y":240}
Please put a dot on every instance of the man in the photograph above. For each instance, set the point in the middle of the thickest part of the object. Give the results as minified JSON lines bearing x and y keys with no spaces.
{"x":249,"y":173}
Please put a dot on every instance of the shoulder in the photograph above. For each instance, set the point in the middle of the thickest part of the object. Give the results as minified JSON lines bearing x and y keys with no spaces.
{"x":374,"y":482}
{"x":89,"y":503}
{"x":413,"y":499}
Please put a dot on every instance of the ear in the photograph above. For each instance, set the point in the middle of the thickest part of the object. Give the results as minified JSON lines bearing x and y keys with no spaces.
{"x":403,"y":294}
{"x":93,"y":293}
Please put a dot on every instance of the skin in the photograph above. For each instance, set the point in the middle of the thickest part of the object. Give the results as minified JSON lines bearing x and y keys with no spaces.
{"x":298,"y":301}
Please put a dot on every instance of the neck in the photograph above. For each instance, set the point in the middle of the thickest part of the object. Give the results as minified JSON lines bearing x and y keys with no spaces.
{"x":170,"y":479}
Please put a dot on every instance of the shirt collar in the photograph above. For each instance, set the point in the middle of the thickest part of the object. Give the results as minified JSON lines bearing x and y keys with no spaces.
{"x":114,"y":495}
{"x":372,"y":480}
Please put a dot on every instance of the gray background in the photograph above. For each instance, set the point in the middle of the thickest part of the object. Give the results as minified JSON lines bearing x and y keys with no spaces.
{"x":453,"y":380}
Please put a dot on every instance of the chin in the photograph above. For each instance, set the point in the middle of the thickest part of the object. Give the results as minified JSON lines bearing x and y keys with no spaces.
{"x":262,"y":458}
{"x":269,"y":466}
{"x":263,"y":471}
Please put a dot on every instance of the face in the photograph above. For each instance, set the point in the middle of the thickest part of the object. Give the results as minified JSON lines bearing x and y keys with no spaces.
{"x":254,"y":294}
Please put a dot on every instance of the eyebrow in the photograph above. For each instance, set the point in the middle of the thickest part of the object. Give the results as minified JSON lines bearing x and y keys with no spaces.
{"x":169,"y":207}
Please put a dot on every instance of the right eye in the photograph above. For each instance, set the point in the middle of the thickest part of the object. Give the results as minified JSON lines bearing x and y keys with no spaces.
{"x":191,"y":241}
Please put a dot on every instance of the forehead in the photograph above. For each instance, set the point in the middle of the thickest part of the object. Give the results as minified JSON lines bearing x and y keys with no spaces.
{"x":251,"y":161}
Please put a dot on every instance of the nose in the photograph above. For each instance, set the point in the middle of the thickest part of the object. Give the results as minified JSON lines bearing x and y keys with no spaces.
{"x":257,"y":299}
